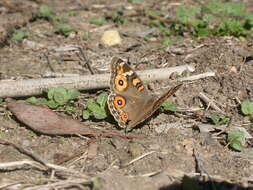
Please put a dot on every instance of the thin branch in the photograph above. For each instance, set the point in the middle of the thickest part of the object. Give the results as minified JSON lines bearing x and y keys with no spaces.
{"x":35,"y":164}
{"x":197,"y":77}
{"x":138,"y":158}
{"x":88,"y":82}
{"x":210,"y":102}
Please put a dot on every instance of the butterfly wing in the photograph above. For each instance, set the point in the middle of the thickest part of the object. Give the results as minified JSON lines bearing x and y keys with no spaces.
{"x":129,"y":101}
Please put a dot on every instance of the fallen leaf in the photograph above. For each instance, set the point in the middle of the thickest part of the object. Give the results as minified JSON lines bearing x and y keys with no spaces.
{"x":43,"y":120}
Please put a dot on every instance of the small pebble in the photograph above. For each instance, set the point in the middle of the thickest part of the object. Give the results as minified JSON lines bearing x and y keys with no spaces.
{"x":111,"y":38}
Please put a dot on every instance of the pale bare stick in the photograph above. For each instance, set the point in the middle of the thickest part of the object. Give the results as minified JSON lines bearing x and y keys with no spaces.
{"x":197,"y":77}
{"x":138,"y":158}
{"x":210,"y":102}
{"x":36,"y":164}
{"x":88,"y":82}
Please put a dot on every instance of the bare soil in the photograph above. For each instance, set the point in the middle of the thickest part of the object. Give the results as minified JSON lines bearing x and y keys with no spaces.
{"x":174,"y":142}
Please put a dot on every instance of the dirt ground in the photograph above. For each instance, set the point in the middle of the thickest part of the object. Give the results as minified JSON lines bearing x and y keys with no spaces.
{"x":176,"y":153}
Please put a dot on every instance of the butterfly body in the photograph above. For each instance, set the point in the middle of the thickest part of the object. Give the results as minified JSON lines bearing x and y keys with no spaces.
{"x":129,"y":101}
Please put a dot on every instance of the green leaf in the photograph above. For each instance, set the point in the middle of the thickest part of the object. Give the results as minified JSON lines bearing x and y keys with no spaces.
{"x":97,"y":111}
{"x":85,"y":36}
{"x":102,"y":99}
{"x":219,"y":119}
{"x":98,"y":21}
{"x":65,"y":29}
{"x":50,"y":93}
{"x":187,"y":14}
{"x":86,"y":114}
{"x":73,"y":93}
{"x":45,"y":12}
{"x":213,"y":6}
{"x":134,"y":1}
{"x":247,"y":107}
{"x":59,"y":95}
{"x":61,"y":20}
{"x":69,"y":109}
{"x":72,"y":14}
{"x":19,"y":35}
{"x":32,"y":100}
{"x":52,"y":104}
{"x":169,"y":106}
{"x":36,"y":101}
{"x":42,"y":101}
{"x":203,"y":32}
{"x":234,"y":9}
{"x":113,"y":15}
{"x":236,"y":139}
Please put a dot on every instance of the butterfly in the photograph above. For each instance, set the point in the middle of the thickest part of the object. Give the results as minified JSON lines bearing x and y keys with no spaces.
{"x":129,"y":101}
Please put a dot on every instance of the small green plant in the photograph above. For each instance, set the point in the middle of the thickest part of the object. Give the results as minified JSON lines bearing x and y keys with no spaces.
{"x":216,"y":18}
{"x":96,"y":109}
{"x":116,"y":17}
{"x":236,"y":139}
{"x":45,"y":12}
{"x":247,"y":107}
{"x":61,"y":20}
{"x":85,"y":36}
{"x":168,"y":106}
{"x":65,"y":29}
{"x":219,"y":119}
{"x":72,"y":14}
{"x":2,"y":135}
{"x":212,"y":18}
{"x":134,"y":1}
{"x":56,"y":98}
{"x":98,"y":21}
{"x":19,"y":35}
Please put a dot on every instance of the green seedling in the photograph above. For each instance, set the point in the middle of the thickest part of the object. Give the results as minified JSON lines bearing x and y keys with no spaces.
{"x":212,"y":18}
{"x":19,"y":35}
{"x":168,"y":106}
{"x":134,"y":1}
{"x":96,"y":109}
{"x":72,"y":14}
{"x":85,"y":37}
{"x":56,"y":98}
{"x":116,"y":17}
{"x":45,"y":12}
{"x":236,"y":139}
{"x":98,"y":21}
{"x":65,"y":29}
{"x":219,"y":119}
{"x":247,"y":107}
{"x":61,"y":20}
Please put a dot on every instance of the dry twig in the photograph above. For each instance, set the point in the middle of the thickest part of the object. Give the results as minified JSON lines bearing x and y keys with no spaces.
{"x":138,"y":158}
{"x":210,"y":102}
{"x":88,"y":82}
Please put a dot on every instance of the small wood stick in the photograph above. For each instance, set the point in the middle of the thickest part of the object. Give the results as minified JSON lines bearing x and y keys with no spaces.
{"x":88,"y":82}
{"x":197,"y":77}
{"x":210,"y":102}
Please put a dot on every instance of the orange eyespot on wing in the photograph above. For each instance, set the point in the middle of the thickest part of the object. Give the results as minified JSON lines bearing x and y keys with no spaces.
{"x":124,"y":116}
{"x":120,"y":83}
{"x":119,"y":102}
